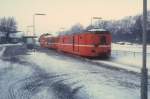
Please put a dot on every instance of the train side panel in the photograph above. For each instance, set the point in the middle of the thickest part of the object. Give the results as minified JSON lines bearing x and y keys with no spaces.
{"x":84,"y":44}
{"x":87,"y":44}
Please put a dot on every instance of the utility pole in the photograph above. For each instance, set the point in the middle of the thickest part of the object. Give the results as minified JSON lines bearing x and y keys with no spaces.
{"x":91,"y":21}
{"x":144,"y":70}
{"x":33,"y":24}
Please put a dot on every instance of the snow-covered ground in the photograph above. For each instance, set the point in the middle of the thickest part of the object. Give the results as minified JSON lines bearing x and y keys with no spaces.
{"x":46,"y":74}
{"x":7,"y":45}
{"x":129,"y":55}
{"x":88,"y":81}
{"x":129,"y":47}
{"x":2,"y":49}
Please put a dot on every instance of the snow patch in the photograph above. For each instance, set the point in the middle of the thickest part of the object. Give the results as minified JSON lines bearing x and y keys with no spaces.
{"x":2,"y":51}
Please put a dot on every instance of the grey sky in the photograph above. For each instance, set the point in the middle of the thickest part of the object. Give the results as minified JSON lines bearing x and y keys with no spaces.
{"x":64,"y":13}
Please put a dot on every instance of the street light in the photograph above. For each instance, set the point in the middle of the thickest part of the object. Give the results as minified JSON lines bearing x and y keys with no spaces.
{"x":28,"y":30}
{"x":144,"y":70}
{"x":34,"y":21}
{"x":94,"y":18}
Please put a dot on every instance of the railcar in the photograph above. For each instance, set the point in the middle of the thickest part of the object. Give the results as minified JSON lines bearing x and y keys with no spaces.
{"x":42,"y":40}
{"x":52,"y":42}
{"x":93,"y":43}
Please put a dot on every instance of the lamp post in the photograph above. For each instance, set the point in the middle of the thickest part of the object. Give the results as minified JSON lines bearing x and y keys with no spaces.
{"x":34,"y":21}
{"x":28,"y":30}
{"x":34,"y":32}
{"x":144,"y":70}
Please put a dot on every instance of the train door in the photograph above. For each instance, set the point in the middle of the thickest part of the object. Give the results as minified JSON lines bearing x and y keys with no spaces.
{"x":76,"y":43}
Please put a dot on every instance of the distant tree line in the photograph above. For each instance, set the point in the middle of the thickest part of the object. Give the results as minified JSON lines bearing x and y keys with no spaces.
{"x":7,"y":26}
{"x":128,"y":29}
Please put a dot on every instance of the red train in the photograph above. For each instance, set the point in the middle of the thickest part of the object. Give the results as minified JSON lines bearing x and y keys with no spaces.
{"x":93,"y":43}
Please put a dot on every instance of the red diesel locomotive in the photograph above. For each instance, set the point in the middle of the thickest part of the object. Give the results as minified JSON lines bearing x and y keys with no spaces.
{"x":93,"y":43}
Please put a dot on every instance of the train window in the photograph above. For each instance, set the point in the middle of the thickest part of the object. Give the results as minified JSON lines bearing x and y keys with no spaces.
{"x":103,"y":40}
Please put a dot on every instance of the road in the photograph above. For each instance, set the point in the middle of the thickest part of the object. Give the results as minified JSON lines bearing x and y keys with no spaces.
{"x":46,"y":74}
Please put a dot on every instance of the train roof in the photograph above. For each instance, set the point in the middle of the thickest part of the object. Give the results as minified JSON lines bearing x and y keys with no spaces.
{"x":97,"y":30}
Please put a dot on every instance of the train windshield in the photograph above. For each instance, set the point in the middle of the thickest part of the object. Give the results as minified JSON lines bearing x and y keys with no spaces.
{"x":103,"y":40}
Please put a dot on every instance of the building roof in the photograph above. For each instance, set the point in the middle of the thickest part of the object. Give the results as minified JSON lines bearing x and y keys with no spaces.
{"x":30,"y":36}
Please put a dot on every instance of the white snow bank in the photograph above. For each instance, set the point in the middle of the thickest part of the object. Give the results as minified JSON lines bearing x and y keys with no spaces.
{"x":123,"y":66}
{"x":131,"y":48}
{"x":2,"y":51}
{"x":128,"y":56}
{"x":5,"y":45}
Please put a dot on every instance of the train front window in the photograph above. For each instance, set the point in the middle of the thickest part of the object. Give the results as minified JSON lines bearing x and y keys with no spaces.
{"x":103,"y":40}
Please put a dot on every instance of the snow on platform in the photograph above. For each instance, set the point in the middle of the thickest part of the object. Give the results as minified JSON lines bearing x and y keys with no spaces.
{"x":129,"y":47}
{"x":127,"y":56}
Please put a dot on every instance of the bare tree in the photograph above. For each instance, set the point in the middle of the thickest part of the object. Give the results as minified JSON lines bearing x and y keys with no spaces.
{"x":77,"y":28}
{"x":8,"y":26}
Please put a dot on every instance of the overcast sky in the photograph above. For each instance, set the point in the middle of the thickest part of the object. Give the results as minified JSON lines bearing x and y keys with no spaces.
{"x":64,"y":13}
